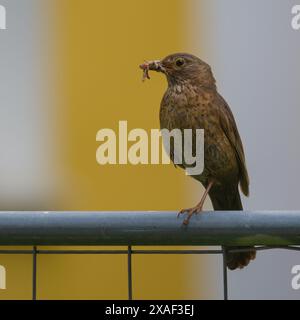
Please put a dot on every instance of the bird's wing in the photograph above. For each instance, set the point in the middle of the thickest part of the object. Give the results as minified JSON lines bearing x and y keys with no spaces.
{"x":229,"y":127}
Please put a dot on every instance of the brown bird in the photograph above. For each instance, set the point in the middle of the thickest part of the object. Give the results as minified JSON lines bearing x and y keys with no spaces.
{"x":193,"y":102}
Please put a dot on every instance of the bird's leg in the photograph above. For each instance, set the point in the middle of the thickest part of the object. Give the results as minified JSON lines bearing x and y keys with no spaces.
{"x":198,"y":207}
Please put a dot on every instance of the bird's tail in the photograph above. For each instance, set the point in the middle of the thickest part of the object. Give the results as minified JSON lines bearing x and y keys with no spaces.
{"x":230,"y":200}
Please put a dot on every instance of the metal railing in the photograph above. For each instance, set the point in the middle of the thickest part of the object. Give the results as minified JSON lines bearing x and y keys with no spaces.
{"x":265,"y":230}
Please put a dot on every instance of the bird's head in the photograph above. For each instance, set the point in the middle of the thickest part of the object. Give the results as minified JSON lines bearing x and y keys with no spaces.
{"x":181,"y":68}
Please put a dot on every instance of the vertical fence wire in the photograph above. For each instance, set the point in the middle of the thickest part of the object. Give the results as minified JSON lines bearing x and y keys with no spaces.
{"x":225,"y":276}
{"x":129,"y":273}
{"x":34,"y":272}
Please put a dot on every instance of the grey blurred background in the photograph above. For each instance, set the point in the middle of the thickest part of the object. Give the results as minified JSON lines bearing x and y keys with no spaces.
{"x":26,"y":162}
{"x":254,"y":53}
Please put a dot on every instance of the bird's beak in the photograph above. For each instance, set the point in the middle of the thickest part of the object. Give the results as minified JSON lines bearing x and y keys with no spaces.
{"x":155,"y":65}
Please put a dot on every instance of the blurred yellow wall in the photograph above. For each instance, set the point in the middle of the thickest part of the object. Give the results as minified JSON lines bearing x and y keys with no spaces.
{"x":102,"y":44}
{"x":99,"y":47}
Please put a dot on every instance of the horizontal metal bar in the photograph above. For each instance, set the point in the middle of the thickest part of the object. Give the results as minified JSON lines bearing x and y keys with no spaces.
{"x":170,"y":252}
{"x":141,"y":252}
{"x":16,"y":252}
{"x":149,"y":228}
{"x":83,"y":252}
{"x":109,"y":252}
{"x":151,"y":252}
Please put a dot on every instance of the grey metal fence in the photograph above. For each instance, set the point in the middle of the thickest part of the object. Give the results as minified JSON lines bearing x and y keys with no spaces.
{"x":265,"y":230}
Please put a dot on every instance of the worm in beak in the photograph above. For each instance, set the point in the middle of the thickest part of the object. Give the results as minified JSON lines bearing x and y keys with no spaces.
{"x":155,"y":65}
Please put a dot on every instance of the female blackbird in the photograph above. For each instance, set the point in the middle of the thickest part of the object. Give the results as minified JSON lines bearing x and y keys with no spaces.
{"x":193,"y":102}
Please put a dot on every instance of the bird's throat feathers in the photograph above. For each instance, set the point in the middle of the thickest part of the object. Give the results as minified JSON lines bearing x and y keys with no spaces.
{"x":179,"y":84}
{"x":186,"y":91}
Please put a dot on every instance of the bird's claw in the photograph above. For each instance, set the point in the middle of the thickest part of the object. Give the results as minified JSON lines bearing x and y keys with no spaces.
{"x":190,"y":212}
{"x":181,"y":212}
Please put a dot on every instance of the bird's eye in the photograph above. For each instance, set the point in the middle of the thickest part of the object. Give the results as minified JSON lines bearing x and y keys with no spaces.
{"x":179,"y":62}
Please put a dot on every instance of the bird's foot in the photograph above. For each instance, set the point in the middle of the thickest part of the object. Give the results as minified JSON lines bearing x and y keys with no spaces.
{"x":190,"y":212}
{"x":199,"y":207}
